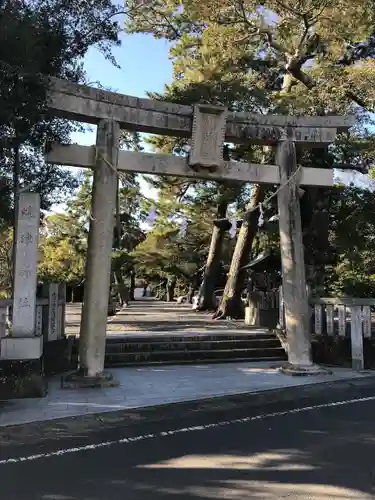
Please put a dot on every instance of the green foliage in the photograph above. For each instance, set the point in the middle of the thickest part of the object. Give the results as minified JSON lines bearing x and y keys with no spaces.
{"x":352,"y":242}
{"x":37,"y":38}
{"x":63,"y":248}
{"x":164,"y":253}
{"x":291,"y":57}
{"x":64,"y":236}
{"x":6,"y":247}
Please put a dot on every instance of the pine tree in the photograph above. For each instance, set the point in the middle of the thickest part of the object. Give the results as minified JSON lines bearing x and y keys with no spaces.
{"x":286,"y":57}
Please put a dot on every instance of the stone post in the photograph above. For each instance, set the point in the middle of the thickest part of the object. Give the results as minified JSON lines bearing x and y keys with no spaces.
{"x":252,"y":311}
{"x":292,"y":262}
{"x":92,"y":338}
{"x":25,"y":343}
{"x":62,"y":296}
{"x":25,"y":279}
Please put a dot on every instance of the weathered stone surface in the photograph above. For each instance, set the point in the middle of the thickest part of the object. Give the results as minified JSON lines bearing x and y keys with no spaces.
{"x":105,"y":96}
{"x":293,"y":121}
{"x":99,"y":247}
{"x":53,"y":307}
{"x":208,"y":134}
{"x":77,"y":380}
{"x":23,"y":321}
{"x":159,"y":164}
{"x":21,"y":348}
{"x":131,"y":118}
{"x":292,"y":261}
{"x":267,"y":134}
{"x":90,"y":105}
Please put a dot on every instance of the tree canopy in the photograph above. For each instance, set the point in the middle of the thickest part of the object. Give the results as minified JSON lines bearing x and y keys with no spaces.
{"x":290,"y":57}
{"x":39,"y":38}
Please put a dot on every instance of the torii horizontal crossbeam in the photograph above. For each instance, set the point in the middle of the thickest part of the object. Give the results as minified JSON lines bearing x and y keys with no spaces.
{"x":160,"y":164}
{"x":90,"y":105}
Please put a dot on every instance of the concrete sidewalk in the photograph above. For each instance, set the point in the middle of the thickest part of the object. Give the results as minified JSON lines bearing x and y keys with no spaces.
{"x":154,"y":386}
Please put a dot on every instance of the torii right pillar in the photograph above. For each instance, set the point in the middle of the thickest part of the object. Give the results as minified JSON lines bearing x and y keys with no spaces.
{"x":293,"y":265}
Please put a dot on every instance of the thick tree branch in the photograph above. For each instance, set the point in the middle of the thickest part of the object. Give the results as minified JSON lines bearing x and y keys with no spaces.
{"x":288,"y":8}
{"x":274,"y":45}
{"x":305,"y":33}
{"x":126,"y":12}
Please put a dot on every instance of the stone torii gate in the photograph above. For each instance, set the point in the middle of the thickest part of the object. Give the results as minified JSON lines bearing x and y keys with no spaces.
{"x":208,"y":127}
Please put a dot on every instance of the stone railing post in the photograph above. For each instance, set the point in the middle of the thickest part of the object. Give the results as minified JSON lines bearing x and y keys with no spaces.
{"x":252,"y":311}
{"x":62,"y":309}
{"x":50,"y":293}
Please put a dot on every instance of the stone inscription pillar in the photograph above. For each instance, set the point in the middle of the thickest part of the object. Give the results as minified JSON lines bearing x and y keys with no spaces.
{"x":100,"y":240}
{"x":292,"y":261}
{"x":25,"y":280}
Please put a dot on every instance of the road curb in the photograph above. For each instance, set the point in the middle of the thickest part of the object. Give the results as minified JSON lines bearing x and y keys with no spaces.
{"x":267,"y":401}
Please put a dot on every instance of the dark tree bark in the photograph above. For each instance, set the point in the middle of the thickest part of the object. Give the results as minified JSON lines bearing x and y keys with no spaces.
{"x":316,"y":235}
{"x":122,"y":288}
{"x":161,"y":290}
{"x":194,"y":285}
{"x":211,"y":272}
{"x":132,"y":285}
{"x":231,"y":304}
{"x":190,"y":294}
{"x":315,"y":220}
{"x":171,"y":284}
{"x":16,"y":187}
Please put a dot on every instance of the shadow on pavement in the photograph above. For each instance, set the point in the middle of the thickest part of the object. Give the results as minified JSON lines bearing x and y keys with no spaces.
{"x":320,"y":454}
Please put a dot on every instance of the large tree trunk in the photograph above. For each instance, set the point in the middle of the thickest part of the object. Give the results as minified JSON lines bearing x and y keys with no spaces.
{"x":161,"y":291}
{"x":122,"y":288}
{"x":231,"y":304}
{"x":132,"y":285}
{"x":171,"y":284}
{"x":190,"y":294}
{"x":118,"y":229}
{"x":16,"y":188}
{"x":206,"y":292}
{"x":194,"y":285}
{"x":316,"y":237}
{"x":315,"y":220}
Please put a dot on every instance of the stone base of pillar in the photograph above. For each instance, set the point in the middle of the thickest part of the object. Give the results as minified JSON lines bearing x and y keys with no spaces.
{"x":77,"y":380}
{"x":298,"y":370}
{"x":21,"y":348}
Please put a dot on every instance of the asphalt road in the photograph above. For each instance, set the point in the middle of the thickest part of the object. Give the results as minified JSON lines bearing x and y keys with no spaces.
{"x":324,"y":452}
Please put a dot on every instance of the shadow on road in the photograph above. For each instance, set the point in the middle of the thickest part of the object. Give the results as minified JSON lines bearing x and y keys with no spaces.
{"x":316,"y":455}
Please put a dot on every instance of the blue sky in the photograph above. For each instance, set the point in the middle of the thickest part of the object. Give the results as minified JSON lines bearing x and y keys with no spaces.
{"x":144,"y":66}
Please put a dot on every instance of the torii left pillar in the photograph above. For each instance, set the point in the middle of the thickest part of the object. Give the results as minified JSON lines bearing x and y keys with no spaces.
{"x":93,"y":328}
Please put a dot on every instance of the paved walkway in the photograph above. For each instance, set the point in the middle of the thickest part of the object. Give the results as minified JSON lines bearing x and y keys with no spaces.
{"x":146,"y":316}
{"x":149,"y":386}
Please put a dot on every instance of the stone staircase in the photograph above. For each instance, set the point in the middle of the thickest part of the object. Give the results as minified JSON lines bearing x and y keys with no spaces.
{"x":173,"y":348}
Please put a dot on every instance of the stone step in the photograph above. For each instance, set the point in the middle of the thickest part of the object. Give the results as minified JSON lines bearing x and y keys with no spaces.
{"x":152,"y":337}
{"x":191,"y":345}
{"x":194,"y":361}
{"x":173,"y":356}
{"x":175,"y":348}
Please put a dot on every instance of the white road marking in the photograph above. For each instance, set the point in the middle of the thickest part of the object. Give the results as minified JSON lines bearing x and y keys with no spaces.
{"x":171,"y":432}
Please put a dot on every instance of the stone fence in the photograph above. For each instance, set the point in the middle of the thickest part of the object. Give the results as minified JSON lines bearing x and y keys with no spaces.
{"x":50,"y":313}
{"x":341,"y":318}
